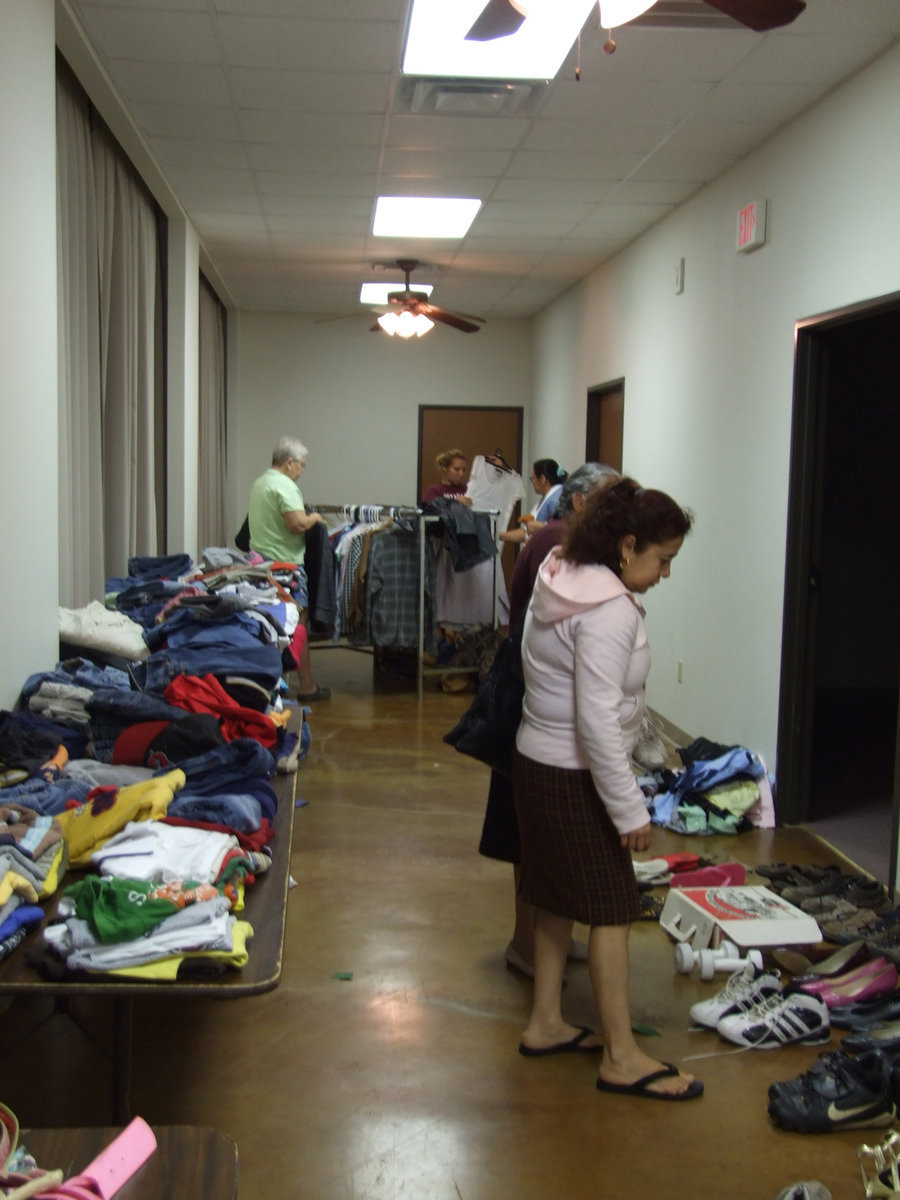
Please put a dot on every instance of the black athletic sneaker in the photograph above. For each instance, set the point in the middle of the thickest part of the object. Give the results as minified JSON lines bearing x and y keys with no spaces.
{"x":850,"y":1093}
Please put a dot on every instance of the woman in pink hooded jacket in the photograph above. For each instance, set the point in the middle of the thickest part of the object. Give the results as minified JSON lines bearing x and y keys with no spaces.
{"x":581,"y":813}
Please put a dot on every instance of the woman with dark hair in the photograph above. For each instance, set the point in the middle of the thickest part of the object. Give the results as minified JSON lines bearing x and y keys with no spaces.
{"x":581,"y":813}
{"x":547,"y":479}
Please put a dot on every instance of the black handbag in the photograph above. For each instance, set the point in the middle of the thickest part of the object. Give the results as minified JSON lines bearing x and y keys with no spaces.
{"x":487,"y":729}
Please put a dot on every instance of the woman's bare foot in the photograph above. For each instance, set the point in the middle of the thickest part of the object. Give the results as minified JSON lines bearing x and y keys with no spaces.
{"x":638,"y":1067}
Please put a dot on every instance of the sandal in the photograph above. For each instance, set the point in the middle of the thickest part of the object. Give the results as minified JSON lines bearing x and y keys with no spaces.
{"x":321,"y":693}
{"x":884,"y":1161}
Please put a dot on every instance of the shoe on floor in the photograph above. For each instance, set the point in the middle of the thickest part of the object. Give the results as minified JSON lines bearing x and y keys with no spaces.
{"x":808,"y":1189}
{"x":781,"y":1020}
{"x":851,"y":1093}
{"x":321,"y":693}
{"x":743,"y":990}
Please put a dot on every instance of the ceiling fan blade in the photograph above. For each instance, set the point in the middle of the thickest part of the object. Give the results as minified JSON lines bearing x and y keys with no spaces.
{"x":760,"y":15}
{"x":497,"y":19}
{"x":448,"y":318}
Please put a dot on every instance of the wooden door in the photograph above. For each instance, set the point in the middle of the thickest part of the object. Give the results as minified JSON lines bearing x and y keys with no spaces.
{"x":605,"y":424}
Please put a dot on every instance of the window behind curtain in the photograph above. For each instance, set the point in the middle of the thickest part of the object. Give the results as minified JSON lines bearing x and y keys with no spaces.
{"x":212,"y":431}
{"x":111,"y":354}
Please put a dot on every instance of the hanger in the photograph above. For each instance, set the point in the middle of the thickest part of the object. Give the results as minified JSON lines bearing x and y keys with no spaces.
{"x":497,"y":460}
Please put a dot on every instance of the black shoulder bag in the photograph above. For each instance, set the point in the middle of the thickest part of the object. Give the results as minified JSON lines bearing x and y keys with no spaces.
{"x":487,"y":730}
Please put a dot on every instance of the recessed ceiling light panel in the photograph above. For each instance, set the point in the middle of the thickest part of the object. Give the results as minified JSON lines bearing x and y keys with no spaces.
{"x":436,"y":42}
{"x":377,"y":293}
{"x":424,"y":216}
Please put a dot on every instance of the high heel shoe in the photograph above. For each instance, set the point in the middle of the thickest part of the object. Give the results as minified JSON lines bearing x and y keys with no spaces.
{"x":802,"y":967}
{"x":866,"y":988}
{"x":884,"y":1162}
{"x":873,"y":967}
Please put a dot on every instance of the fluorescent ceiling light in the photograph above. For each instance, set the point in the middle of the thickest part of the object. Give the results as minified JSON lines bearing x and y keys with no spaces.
{"x":377,"y":293}
{"x":424,"y":217}
{"x":436,"y":42}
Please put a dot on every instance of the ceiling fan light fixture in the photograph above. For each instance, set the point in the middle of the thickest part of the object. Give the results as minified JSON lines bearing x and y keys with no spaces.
{"x":619,"y":12}
{"x":405,"y":324}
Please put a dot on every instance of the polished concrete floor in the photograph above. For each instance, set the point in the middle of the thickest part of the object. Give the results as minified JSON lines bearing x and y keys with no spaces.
{"x":404,"y":1080}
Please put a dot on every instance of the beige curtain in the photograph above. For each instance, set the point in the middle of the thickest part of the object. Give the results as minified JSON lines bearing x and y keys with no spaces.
{"x":112,"y":445}
{"x":212,"y":432}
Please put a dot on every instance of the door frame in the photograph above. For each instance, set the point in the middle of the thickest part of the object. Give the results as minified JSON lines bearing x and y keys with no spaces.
{"x":812,"y":358}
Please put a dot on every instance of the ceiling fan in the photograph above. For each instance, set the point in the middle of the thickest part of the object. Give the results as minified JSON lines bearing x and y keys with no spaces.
{"x":502,"y":18}
{"x":417,"y":304}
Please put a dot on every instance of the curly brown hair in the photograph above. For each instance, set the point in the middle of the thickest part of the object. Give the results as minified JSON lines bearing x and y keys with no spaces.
{"x":613,"y":513}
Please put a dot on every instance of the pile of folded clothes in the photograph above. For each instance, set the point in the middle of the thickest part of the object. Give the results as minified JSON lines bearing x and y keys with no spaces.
{"x":152,"y":773}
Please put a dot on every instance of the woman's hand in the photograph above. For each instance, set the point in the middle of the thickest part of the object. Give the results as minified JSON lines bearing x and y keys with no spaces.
{"x":638,"y":840}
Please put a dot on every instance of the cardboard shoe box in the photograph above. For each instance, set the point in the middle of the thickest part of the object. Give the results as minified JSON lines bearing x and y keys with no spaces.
{"x":748,"y":916}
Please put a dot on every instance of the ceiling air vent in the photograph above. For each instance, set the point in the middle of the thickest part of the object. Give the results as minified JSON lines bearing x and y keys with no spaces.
{"x":468,"y":98}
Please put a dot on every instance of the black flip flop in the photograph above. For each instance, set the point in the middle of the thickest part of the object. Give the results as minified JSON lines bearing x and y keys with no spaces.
{"x":321,"y":693}
{"x":573,"y":1046}
{"x":641,"y":1087}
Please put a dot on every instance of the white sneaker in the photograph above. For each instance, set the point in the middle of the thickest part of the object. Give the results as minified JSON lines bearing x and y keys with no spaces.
{"x":744,"y":989}
{"x":778,"y":1021}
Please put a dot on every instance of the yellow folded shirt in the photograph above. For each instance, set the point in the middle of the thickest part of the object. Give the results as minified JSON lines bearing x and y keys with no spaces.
{"x":87,"y":827}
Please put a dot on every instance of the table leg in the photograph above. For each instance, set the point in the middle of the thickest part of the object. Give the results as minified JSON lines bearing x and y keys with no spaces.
{"x":123,"y":1012}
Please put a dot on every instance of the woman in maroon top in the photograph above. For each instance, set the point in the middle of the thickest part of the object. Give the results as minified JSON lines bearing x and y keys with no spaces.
{"x":453,"y":467}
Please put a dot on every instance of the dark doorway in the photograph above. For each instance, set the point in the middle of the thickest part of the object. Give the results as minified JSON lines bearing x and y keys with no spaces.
{"x":837,"y":741}
{"x":605,"y":424}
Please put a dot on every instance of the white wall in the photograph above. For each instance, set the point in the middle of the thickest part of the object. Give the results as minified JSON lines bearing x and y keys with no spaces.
{"x":708,"y":383}
{"x":28,"y":385}
{"x":352,"y":397}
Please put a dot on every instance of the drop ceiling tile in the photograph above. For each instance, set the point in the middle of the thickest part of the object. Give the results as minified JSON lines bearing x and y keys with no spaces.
{"x":315,"y":160}
{"x":710,"y":137}
{"x":454,"y":133}
{"x":593,"y":137}
{"x":288,"y":182}
{"x":210,"y":179}
{"x":656,"y":191}
{"x":277,"y":43}
{"x":343,"y":10}
{"x":273,"y":127}
{"x":179,"y":82}
{"x":184,"y":121}
{"x":438,"y":164}
{"x":322,"y":91}
{"x":775,"y":104}
{"x":197,"y":152}
{"x":551,"y":191}
{"x":560,"y":165}
{"x":152,"y":35}
{"x":819,"y":60}
{"x":341,"y":207}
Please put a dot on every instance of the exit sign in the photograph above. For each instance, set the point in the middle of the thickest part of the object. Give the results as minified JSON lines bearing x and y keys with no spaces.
{"x":751,"y":226}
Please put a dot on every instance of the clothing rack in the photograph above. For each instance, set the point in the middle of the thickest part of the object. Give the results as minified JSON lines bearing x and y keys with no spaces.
{"x":383,"y":512}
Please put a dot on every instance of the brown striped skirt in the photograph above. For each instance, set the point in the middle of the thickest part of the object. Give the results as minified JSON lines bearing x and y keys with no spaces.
{"x":573,"y":863}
